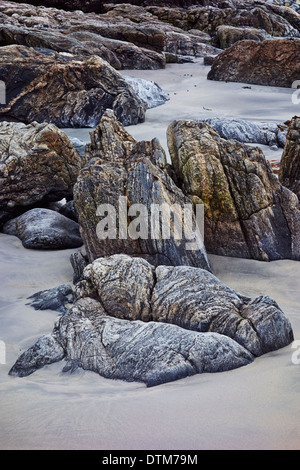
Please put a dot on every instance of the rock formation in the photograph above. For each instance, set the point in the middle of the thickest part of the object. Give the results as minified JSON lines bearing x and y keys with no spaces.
{"x":65,"y":90}
{"x":57,"y":299}
{"x":103,"y":332}
{"x":124,"y":173}
{"x":248,"y":213}
{"x":272,"y":63}
{"x":289,"y":174}
{"x":44,"y":229}
{"x":38,"y":164}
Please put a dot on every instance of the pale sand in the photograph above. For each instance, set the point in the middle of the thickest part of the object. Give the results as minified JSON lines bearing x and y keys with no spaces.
{"x":255,"y":407}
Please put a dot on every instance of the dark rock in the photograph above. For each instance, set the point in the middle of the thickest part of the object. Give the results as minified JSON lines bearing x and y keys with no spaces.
{"x":44,"y":229}
{"x":38,"y":164}
{"x":68,"y":91}
{"x":69,"y":211}
{"x":248,"y":213}
{"x":79,"y":261}
{"x":272,"y":63}
{"x":118,"y":167}
{"x":56,"y":299}
{"x":289,"y":174}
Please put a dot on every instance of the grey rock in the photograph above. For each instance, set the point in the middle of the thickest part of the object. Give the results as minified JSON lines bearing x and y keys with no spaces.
{"x":148,"y":91}
{"x":44,"y":229}
{"x":248,"y":132}
{"x":56,"y":299}
{"x":152,"y":353}
{"x":69,"y":211}
{"x":79,"y":261}
{"x":289,"y":174}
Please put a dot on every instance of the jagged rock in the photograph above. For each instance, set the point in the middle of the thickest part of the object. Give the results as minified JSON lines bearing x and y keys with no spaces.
{"x":148,"y":91}
{"x":248,"y":213}
{"x":152,"y":353}
{"x":289,"y":174}
{"x":44,"y":229}
{"x":249,"y":132}
{"x":272,"y":63}
{"x":38,"y":164}
{"x":79,"y":261}
{"x":56,"y":299}
{"x":102,"y":334}
{"x":66,"y":90}
{"x":118,"y":167}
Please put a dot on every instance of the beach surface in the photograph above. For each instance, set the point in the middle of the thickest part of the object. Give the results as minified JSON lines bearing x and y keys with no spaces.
{"x":255,"y":407}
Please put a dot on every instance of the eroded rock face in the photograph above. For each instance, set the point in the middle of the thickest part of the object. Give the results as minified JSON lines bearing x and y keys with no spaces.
{"x":44,"y":229}
{"x":272,"y":63}
{"x":38,"y":164}
{"x":66,"y":90}
{"x":119,"y":167}
{"x":289,"y":174}
{"x":248,"y":213}
{"x":200,"y":325}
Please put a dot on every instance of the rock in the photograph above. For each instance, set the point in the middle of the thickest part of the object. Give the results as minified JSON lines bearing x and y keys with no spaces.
{"x":272,"y":63}
{"x":79,"y":261}
{"x":69,"y":211}
{"x":79,"y":145}
{"x":104,"y":333}
{"x":152,"y":353}
{"x":77,"y":90}
{"x":56,"y":299}
{"x":44,"y":229}
{"x":38,"y":164}
{"x":148,"y":91}
{"x":191,"y":298}
{"x":123,"y":173}
{"x":248,"y":132}
{"x":248,"y":213}
{"x":228,"y":35}
{"x":289,"y":174}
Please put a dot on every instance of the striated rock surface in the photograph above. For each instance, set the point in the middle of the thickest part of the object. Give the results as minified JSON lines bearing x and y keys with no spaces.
{"x":38,"y":164}
{"x":248,"y":213}
{"x":148,"y":91}
{"x":103,"y":332}
{"x":152,"y":353}
{"x":119,"y":167}
{"x":65,"y":90}
{"x":272,"y":63}
{"x":44,"y":229}
{"x":289,"y":174}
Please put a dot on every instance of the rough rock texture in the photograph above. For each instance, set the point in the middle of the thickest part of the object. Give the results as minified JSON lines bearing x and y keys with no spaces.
{"x":191,"y":298}
{"x":56,"y":299}
{"x":272,"y":63}
{"x":137,"y":172}
{"x":103,"y":332}
{"x":65,"y":90}
{"x":44,"y":229}
{"x":249,"y":132}
{"x":152,"y":353}
{"x":289,"y":174}
{"x":248,"y":213}
{"x":38,"y":164}
{"x":228,"y":35}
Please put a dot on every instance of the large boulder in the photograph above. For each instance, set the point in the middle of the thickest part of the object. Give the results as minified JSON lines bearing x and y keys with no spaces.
{"x":248,"y":213}
{"x":38,"y":164}
{"x":44,"y":229}
{"x":289,"y":174}
{"x":271,"y":62}
{"x":66,"y":90}
{"x":200,"y":325}
{"x":146,"y":209}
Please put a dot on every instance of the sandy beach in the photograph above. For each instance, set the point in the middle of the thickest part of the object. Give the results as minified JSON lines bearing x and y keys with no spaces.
{"x":255,"y":407}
